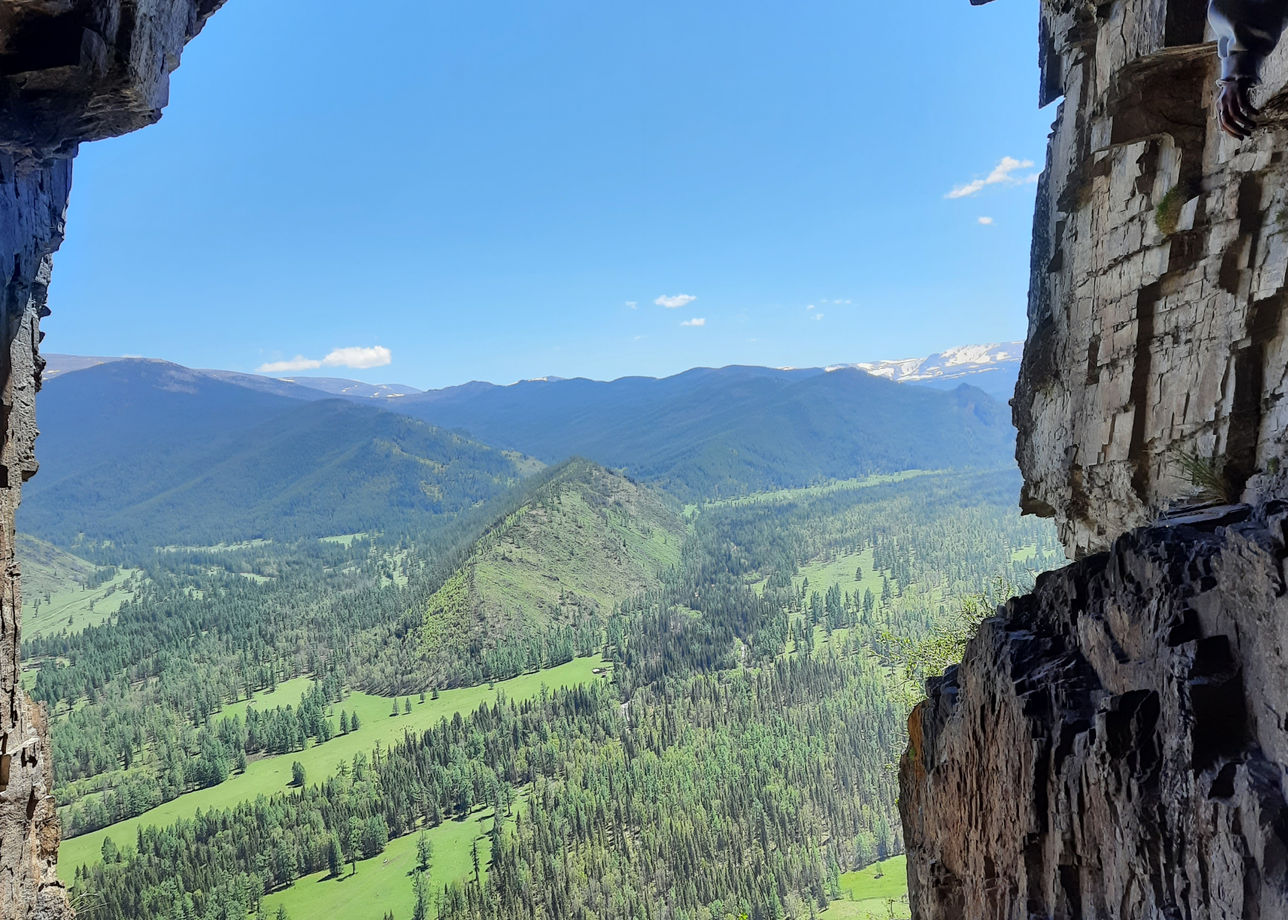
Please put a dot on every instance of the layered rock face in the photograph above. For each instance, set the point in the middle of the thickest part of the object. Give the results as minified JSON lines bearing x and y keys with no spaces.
{"x":69,"y":72}
{"x":1156,"y":310}
{"x":1114,"y":744}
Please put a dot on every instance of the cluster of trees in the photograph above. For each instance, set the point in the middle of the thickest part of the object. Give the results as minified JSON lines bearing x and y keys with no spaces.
{"x":621,"y":809}
{"x":184,"y":758}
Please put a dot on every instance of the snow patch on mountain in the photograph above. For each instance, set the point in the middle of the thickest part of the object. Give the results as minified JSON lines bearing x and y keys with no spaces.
{"x":955,"y":363}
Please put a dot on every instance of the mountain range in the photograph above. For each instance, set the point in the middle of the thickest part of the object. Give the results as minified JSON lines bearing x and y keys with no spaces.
{"x":144,"y":450}
{"x":992,"y":368}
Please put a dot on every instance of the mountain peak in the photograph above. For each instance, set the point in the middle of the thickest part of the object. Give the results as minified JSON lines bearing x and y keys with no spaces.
{"x":993,"y":367}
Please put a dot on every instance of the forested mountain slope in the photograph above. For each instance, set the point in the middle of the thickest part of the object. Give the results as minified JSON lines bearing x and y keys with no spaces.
{"x":711,"y":432}
{"x":148,"y":453}
{"x":705,"y":433}
{"x":583,"y":540}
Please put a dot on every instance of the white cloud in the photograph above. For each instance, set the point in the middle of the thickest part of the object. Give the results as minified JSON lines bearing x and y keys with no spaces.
{"x":986,"y":221}
{"x":696,"y":321}
{"x":1003,"y":174}
{"x":811,"y":306}
{"x":675,"y":301}
{"x":632,"y":304}
{"x":818,"y":315}
{"x":359,"y":356}
{"x":354,"y":356}
{"x":298,"y":363}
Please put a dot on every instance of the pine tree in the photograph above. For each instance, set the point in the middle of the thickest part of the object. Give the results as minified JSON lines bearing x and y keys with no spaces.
{"x":424,"y":851}
{"x":355,"y":842}
{"x":344,"y":722}
{"x":335,"y":857}
{"x":421,"y":887}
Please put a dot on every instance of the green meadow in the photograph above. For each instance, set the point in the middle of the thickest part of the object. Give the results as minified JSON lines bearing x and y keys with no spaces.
{"x":71,"y":607}
{"x":876,"y":892}
{"x":778,"y":496}
{"x":269,"y":775}
{"x":384,"y":883}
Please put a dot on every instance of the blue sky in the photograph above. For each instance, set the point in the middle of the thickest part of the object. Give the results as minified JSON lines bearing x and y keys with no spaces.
{"x":433,"y":192}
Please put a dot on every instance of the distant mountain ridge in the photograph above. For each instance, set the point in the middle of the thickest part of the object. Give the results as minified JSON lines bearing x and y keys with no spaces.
{"x":989,"y":367}
{"x":144,"y":450}
{"x":726,"y":431}
{"x":993,"y":368}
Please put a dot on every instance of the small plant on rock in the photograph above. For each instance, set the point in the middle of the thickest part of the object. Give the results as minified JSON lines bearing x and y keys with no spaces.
{"x":1168,"y":213}
{"x":1207,"y":474}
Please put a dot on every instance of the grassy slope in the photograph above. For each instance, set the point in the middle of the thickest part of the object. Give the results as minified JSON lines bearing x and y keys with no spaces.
{"x":778,"y":496}
{"x":585,"y":540}
{"x":49,"y":572}
{"x":867,"y":893}
{"x":384,"y":883}
{"x":272,"y":774}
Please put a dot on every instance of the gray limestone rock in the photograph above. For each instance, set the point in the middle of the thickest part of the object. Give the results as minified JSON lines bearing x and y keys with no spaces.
{"x":1114,"y":744}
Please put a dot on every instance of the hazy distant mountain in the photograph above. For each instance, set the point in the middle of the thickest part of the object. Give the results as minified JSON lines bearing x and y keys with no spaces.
{"x":146,"y":452}
{"x":300,"y":387}
{"x":731,"y":430}
{"x":992,"y":368}
{"x":65,"y":364}
{"x":356,"y":389}
{"x":118,"y":431}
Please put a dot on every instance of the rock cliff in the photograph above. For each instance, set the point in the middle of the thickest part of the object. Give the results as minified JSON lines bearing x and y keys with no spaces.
{"x":1156,"y":304}
{"x":1114,"y":744}
{"x":70,"y":71}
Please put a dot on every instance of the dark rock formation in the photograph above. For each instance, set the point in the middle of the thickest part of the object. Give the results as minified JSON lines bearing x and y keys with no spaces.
{"x":70,"y":71}
{"x":1114,"y":744}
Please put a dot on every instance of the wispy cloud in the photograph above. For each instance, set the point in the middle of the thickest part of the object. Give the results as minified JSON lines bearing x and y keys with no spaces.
{"x":818,"y":315}
{"x":986,"y":221}
{"x":812,"y":307}
{"x":696,"y":321}
{"x":1004,"y":173}
{"x":675,"y":301}
{"x":359,"y":357}
{"x":632,"y":304}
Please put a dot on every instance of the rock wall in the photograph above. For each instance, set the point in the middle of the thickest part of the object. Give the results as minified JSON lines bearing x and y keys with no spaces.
{"x":1156,"y":309}
{"x":1115,"y":743}
{"x":1113,"y":746}
{"x":69,"y":72}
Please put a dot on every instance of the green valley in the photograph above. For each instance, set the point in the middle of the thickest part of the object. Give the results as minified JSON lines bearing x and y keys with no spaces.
{"x":65,"y":593}
{"x":611,"y":697}
{"x":379,"y":729}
